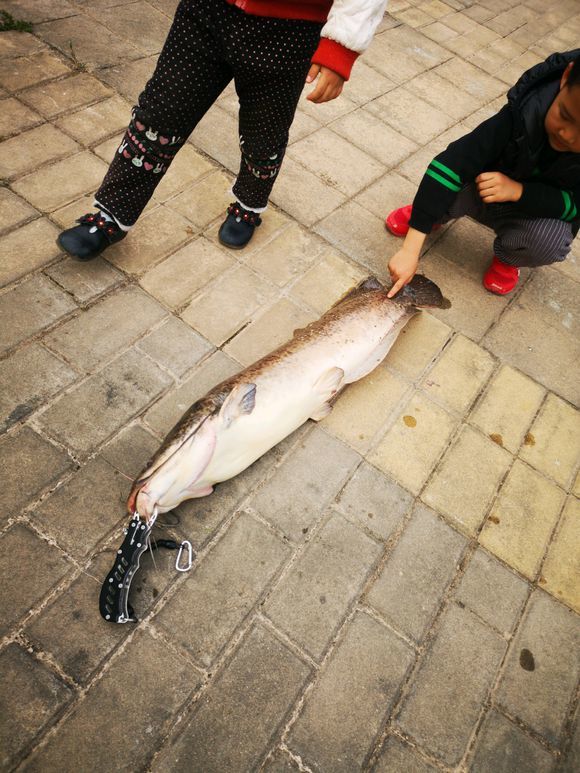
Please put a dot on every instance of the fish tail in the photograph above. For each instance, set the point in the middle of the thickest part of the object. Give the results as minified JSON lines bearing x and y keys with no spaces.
{"x":422,"y":292}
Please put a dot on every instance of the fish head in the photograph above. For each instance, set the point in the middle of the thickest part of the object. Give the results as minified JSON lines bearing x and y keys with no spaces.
{"x":421,"y":293}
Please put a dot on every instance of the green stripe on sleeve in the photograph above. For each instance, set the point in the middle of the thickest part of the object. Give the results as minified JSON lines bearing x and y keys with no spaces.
{"x":443,"y":181}
{"x":445,"y":170}
{"x":567,"y":205}
{"x":572,"y":214}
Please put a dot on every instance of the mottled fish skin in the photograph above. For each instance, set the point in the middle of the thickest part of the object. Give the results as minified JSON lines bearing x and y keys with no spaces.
{"x":365,"y":307}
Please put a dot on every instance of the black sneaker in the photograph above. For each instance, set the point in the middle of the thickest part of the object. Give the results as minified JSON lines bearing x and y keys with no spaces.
{"x":84,"y":245}
{"x":238,"y":227}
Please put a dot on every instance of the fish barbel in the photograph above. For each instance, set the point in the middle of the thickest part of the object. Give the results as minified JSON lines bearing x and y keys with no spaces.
{"x":246,"y":415}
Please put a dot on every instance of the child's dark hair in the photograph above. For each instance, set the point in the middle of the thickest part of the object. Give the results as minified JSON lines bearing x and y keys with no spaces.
{"x":574,"y":76}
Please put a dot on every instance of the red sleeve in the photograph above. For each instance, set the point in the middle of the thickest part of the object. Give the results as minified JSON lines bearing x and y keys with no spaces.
{"x":335,"y":56}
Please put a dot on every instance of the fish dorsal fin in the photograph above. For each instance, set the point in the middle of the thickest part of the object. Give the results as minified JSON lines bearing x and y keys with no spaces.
{"x":240,"y":401}
{"x":367,"y":285}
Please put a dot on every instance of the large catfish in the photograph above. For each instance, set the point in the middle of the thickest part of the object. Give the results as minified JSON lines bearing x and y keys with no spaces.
{"x":246,"y":415}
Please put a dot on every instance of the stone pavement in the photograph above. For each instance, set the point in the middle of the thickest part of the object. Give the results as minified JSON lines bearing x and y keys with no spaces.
{"x":394,"y":589}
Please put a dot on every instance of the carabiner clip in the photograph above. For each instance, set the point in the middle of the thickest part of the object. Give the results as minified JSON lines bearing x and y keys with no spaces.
{"x":186,"y":567}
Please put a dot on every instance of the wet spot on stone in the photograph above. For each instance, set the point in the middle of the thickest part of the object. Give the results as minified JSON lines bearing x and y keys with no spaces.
{"x":529,"y":439}
{"x":322,"y":599}
{"x":527,"y":660}
{"x":370,"y":515}
{"x":305,"y":530}
{"x":410,"y":421}
{"x":497,"y":438}
{"x":494,"y":518}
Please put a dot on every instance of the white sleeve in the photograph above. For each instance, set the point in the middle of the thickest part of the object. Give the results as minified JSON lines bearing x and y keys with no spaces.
{"x":352,"y":23}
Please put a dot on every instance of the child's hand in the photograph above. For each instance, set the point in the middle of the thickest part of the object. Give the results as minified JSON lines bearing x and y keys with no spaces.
{"x":328,"y":86}
{"x":495,"y":186}
{"x":402,"y":267}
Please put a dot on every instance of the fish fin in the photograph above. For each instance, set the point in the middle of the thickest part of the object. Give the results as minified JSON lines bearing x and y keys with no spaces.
{"x":421,"y":292}
{"x":329,"y":383}
{"x":241,"y":400}
{"x":322,"y":412}
{"x":367,"y":285}
{"x":200,"y":492}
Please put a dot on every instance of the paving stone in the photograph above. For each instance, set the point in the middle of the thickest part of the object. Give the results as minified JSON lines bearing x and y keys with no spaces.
{"x":551,"y":445}
{"x":561,"y":570}
{"x":473,"y":310}
{"x":280,"y":762}
{"x":311,"y":600}
{"x":397,"y":757}
{"x":29,"y":465}
{"x":494,"y":593}
{"x":129,"y":77}
{"x":241,"y":292}
{"x":139,"y":24}
{"x":21,"y":72}
{"x":414,"y":442}
{"x":362,"y":410}
{"x":440,"y":93}
{"x":507,"y":408}
{"x":325,"y":112}
{"x":32,"y":567}
{"x":373,"y":501}
{"x":366,"y":84}
{"x":356,"y":689}
{"x":459,"y":374}
{"x":189,"y":167}
{"x":456,"y":676}
{"x":466,"y":480}
{"x":304,"y":195}
{"x":416,"y":120}
{"x":305,"y":483}
{"x":120,"y":319}
{"x":231,"y":729}
{"x":359,"y":234}
{"x":205,"y":201}
{"x":372,"y":135}
{"x":332,"y":165}
{"x":27,"y":379}
{"x":15,"y":43}
{"x":53,"y":186}
{"x":15,"y":117}
{"x":411,"y":586}
{"x":130,"y":450}
{"x":175,"y":346}
{"x":85,"y":280}
{"x":92,"y":412}
{"x":504,"y":748}
{"x":217,"y":135}
{"x":170,"y":408}
{"x":157,"y":234}
{"x":28,"y":150}
{"x":31,"y":696}
{"x":151,"y":702}
{"x":29,"y":308}
{"x":95,"y":122}
{"x":41,"y":10}
{"x":540,"y":697}
{"x":402,"y":52}
{"x":223,"y":581}
{"x":572,"y":754}
{"x":287,"y":257}
{"x":469,"y":78}
{"x":94,"y":45}
{"x":85,"y":509}
{"x":329,"y":279}
{"x":66,"y":217}
{"x":389,"y":192}
{"x":267,"y":332}
{"x":26,"y":249}
{"x":522,"y":519}
{"x":52,"y":99}
{"x":13,"y":211}
{"x":177,"y":278}
{"x":417,"y":345}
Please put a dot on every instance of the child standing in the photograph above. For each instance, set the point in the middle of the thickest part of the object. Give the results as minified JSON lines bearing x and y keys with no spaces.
{"x":269,"y":48}
{"x":518,"y":172}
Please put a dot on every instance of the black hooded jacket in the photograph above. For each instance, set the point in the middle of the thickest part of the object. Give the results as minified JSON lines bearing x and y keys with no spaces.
{"x":514,"y":142}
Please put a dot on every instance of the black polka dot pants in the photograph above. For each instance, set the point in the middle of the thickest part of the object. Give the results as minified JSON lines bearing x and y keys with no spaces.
{"x":209,"y":43}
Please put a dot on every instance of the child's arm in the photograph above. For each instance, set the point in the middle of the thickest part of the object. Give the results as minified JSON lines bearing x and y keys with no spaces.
{"x":403,"y":264}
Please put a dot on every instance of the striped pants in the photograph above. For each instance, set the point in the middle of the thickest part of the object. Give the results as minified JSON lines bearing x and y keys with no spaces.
{"x":519,"y":241}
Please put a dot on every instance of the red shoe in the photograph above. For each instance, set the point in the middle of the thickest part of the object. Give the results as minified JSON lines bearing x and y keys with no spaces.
{"x":397,"y":221}
{"x":500,"y":278}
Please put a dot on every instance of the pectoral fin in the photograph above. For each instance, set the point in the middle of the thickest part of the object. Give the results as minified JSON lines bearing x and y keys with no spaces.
{"x":322,"y":412}
{"x":329,"y":383}
{"x":240,"y":401}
